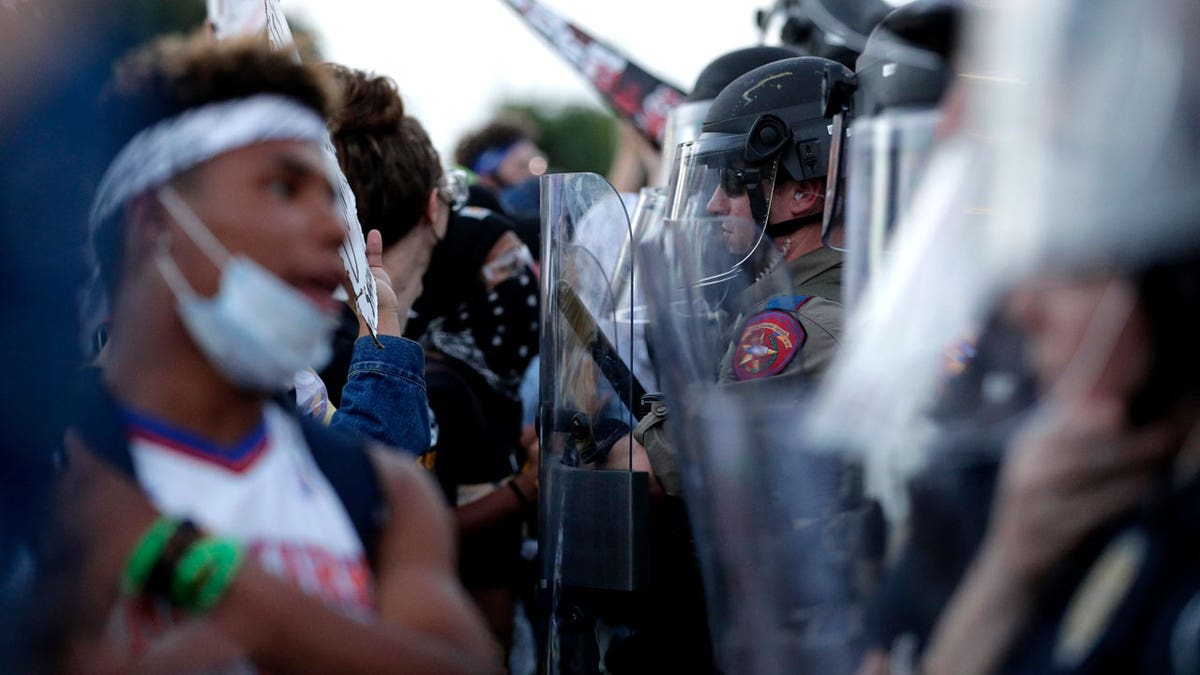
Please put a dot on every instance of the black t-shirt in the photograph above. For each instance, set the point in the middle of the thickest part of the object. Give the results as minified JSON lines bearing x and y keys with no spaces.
{"x":478,"y":441}
{"x":479,"y":429}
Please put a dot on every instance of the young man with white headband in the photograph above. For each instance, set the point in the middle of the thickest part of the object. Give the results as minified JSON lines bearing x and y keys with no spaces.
{"x":217,"y":242}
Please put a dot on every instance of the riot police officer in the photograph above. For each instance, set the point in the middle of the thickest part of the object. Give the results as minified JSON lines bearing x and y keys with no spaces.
{"x":759,"y":194}
{"x":906,"y":81}
{"x":765,"y":156}
{"x":904,"y":73}
{"x":744,"y":292}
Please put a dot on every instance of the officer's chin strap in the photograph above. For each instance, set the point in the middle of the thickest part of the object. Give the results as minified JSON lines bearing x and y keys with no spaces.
{"x":760,"y":200}
{"x":786,"y":227}
{"x":760,"y":208}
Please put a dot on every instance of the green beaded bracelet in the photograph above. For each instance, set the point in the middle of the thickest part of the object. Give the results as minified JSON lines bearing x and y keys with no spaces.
{"x":146,"y":554}
{"x":204,"y":573}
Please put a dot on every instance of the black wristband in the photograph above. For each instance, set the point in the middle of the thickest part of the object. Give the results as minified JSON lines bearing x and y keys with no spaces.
{"x":161,"y":576}
{"x":520,"y":495}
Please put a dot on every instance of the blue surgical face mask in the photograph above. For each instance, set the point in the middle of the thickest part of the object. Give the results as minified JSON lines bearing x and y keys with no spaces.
{"x":257,"y":331}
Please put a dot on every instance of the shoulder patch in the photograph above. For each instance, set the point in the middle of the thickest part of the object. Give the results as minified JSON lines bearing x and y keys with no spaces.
{"x":476,"y":212}
{"x":788,"y":303}
{"x":769,"y":342}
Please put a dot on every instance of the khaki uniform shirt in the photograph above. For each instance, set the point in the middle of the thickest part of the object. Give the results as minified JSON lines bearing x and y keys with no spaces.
{"x":779,"y":335}
{"x":789,"y":335}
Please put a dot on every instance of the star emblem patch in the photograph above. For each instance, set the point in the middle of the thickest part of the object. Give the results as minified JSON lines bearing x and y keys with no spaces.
{"x":769,"y":342}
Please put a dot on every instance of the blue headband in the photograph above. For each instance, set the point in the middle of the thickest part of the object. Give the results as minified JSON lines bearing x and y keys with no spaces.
{"x":488,"y":161}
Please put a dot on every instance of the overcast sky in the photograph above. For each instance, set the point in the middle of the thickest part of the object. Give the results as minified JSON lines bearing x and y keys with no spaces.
{"x":456,"y":60}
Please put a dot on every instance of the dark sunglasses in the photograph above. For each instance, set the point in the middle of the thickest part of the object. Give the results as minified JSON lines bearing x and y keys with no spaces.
{"x":735,"y":180}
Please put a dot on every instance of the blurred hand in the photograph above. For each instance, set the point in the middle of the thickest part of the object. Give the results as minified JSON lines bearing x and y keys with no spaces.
{"x":629,"y":455}
{"x":529,"y":441}
{"x":527,"y":478}
{"x":1069,"y":471}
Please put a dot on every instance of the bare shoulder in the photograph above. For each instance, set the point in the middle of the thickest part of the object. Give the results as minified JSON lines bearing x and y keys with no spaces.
{"x":419,"y":526}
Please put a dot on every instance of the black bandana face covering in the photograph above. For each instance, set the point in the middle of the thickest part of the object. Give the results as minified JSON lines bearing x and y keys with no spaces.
{"x":496,"y":330}
{"x":492,"y":330}
{"x":504,"y":321}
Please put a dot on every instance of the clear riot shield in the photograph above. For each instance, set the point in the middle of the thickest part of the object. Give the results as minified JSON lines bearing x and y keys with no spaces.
{"x":630,"y":308}
{"x":886,"y":155}
{"x":788,"y":544}
{"x":594,"y":501}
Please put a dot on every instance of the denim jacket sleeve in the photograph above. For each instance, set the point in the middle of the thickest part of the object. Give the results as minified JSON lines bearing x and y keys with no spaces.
{"x":384,"y":398}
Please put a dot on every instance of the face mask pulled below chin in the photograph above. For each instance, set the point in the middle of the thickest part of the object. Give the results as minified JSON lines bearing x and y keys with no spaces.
{"x":257,"y":331}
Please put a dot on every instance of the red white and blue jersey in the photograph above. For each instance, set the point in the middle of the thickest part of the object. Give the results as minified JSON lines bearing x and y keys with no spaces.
{"x":265,"y":491}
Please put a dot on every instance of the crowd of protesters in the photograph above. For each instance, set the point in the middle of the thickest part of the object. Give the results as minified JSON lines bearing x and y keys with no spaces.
{"x":920,"y":296}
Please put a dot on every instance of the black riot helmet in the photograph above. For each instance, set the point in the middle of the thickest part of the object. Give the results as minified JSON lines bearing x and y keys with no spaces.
{"x":905,"y":70}
{"x":784,"y":120}
{"x":683,"y":122}
{"x":907,"y":58}
{"x":831,"y":29}
{"x":729,"y":66}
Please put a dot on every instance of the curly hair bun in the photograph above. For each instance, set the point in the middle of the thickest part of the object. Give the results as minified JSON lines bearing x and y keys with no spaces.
{"x":370,"y":104}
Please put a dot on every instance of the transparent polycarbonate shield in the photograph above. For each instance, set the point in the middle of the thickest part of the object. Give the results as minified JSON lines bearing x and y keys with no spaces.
{"x":713,"y":271}
{"x":1026,"y":190}
{"x":1073,"y":172}
{"x":711,"y":180}
{"x":683,"y":126}
{"x":592,"y":502}
{"x":784,"y":535}
{"x":630,"y":302}
{"x":886,"y":156}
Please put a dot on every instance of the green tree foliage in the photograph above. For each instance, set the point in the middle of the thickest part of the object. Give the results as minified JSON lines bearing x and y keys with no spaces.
{"x":574,"y":136}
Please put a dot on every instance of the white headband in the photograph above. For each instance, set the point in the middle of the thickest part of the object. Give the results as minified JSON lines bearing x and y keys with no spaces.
{"x":158,"y":153}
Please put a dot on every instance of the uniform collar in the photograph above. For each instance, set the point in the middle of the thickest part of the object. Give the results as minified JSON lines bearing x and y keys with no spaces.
{"x":801,"y":271}
{"x":814,"y":264}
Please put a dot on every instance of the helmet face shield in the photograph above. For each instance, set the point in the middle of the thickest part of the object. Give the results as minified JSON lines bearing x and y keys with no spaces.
{"x":833,"y":233}
{"x":885,"y":159}
{"x":711,"y":177}
{"x":683,"y":126}
{"x":721,"y":202}
{"x":1116,"y":141}
{"x":1047,"y":195}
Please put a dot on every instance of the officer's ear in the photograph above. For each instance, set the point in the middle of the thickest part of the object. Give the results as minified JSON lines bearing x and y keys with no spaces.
{"x":803,"y":197}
